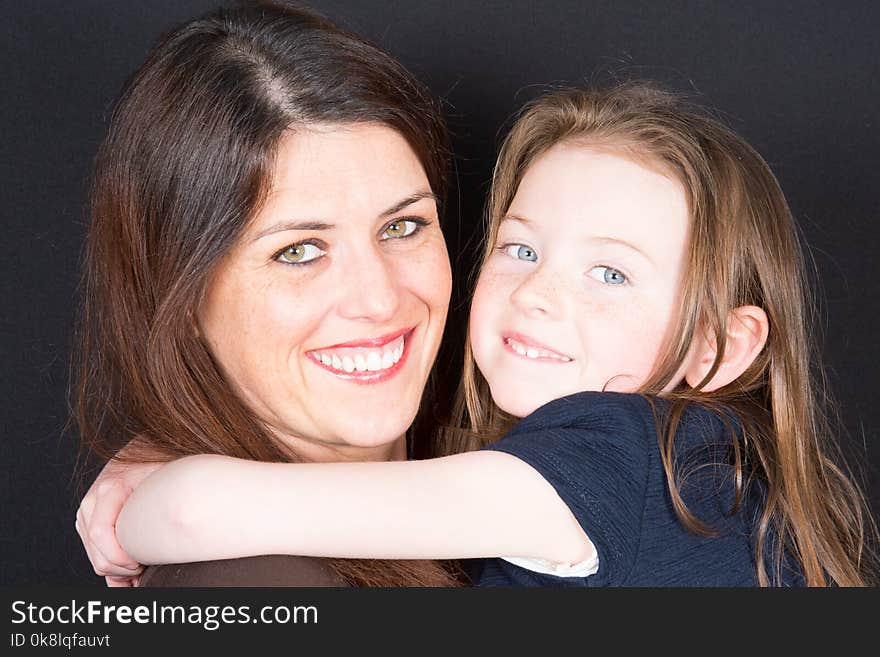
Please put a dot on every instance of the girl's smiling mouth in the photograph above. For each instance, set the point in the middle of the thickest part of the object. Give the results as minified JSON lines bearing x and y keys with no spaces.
{"x":365,"y":361}
{"x":524,"y":346}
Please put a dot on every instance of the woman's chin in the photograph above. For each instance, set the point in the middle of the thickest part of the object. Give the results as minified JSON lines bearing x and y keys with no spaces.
{"x":354,"y":438}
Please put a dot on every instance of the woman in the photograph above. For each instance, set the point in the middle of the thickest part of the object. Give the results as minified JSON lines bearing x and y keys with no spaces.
{"x":265,"y":275}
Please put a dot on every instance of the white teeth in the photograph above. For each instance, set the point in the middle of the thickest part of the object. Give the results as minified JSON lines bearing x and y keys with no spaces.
{"x":534,"y":352}
{"x":362,"y":359}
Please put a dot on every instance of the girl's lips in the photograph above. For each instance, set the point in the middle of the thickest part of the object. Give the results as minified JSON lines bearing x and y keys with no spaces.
{"x":529,"y":348}
{"x":342,"y":357}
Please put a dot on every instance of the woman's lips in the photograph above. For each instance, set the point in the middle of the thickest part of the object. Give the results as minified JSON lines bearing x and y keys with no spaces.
{"x":365,"y":361}
{"x":530,"y":349}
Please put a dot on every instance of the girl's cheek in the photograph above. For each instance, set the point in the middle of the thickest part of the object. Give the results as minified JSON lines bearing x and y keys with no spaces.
{"x":599,"y":305}
{"x":647,"y":338}
{"x":628,"y":328}
{"x":489,"y":287}
{"x":487,"y":306}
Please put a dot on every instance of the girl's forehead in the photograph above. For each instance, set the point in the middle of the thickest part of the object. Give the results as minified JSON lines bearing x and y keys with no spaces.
{"x":581,"y":191}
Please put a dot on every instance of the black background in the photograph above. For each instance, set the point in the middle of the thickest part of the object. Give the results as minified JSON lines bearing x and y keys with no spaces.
{"x":799,"y":80}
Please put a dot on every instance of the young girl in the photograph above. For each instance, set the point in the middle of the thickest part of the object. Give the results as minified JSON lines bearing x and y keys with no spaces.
{"x":642,"y":307}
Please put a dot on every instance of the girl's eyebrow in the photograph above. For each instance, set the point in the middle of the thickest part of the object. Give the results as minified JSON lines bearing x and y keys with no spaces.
{"x":600,"y":239}
{"x":624,"y":243}
{"x":320,"y":225}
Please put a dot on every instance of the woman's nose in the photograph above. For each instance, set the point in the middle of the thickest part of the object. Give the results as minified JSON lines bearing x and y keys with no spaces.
{"x":537,"y":295}
{"x":369,"y":289}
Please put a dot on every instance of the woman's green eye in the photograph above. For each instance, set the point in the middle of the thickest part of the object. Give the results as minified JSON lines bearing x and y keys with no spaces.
{"x":296,"y":254}
{"x":400,"y":228}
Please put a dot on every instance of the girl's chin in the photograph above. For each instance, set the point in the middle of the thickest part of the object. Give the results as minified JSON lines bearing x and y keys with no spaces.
{"x":517,"y":405}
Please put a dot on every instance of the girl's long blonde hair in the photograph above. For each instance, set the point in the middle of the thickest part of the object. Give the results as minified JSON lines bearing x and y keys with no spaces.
{"x":744,"y":250}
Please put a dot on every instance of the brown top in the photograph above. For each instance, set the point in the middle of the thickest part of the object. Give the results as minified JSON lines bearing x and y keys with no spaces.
{"x":273,"y":570}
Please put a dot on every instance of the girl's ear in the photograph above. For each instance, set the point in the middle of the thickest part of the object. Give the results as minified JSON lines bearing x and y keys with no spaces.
{"x":747,"y":329}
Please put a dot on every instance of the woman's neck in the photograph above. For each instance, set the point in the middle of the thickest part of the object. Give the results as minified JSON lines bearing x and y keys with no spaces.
{"x":321,"y":452}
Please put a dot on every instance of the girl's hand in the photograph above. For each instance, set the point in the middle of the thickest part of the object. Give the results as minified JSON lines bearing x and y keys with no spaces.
{"x":96,"y":521}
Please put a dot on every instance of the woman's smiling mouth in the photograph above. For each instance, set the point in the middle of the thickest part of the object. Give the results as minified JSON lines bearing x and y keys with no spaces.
{"x":365,"y":361}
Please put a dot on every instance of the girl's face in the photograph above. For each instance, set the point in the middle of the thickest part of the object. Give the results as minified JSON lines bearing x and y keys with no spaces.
{"x":328,"y":313}
{"x":583,"y":282}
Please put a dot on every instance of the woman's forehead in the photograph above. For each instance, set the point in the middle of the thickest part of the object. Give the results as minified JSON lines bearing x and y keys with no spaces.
{"x":332,"y":174}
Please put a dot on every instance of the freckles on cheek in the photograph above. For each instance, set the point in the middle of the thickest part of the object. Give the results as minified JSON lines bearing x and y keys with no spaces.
{"x":493,"y":284}
{"x":278,"y":311}
{"x":631,"y":333}
{"x":430,"y":278}
{"x":254,"y":313}
{"x":645,"y":339}
{"x":486,"y":295}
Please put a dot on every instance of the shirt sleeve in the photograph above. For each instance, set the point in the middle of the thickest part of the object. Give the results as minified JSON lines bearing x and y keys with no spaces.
{"x":600,"y":470}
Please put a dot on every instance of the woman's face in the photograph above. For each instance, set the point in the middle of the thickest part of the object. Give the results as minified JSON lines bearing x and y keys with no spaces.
{"x":328,"y":313}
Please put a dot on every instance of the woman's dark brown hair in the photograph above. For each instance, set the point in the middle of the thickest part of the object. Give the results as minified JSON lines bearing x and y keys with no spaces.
{"x":186,"y":163}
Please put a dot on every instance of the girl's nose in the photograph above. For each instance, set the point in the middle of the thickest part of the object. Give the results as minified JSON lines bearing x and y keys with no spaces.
{"x":537,"y":294}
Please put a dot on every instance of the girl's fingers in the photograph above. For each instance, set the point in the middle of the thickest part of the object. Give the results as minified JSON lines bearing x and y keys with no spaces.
{"x":96,"y":521}
{"x":120,"y":581}
{"x":96,"y":526}
{"x":102,"y":527}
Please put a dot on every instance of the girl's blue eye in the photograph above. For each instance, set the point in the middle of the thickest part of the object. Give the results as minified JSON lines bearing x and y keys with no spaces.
{"x":607,"y":275}
{"x":401,"y":228}
{"x":300,"y":253}
{"x":521,"y":252}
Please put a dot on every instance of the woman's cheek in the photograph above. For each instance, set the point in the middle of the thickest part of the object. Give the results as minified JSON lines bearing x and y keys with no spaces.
{"x":427,"y":272}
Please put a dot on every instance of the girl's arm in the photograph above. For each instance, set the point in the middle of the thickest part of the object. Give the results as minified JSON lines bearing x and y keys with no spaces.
{"x":477,"y":504}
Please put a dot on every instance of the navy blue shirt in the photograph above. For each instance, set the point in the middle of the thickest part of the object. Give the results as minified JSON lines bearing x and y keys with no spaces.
{"x":600,"y":451}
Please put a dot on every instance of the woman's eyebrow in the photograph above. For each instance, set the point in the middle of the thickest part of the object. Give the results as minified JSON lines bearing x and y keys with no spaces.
{"x":409,"y":200}
{"x":321,"y":225}
{"x":292,"y":225}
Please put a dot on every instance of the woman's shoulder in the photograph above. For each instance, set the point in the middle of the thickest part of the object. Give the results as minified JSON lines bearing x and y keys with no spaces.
{"x":263,"y":571}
